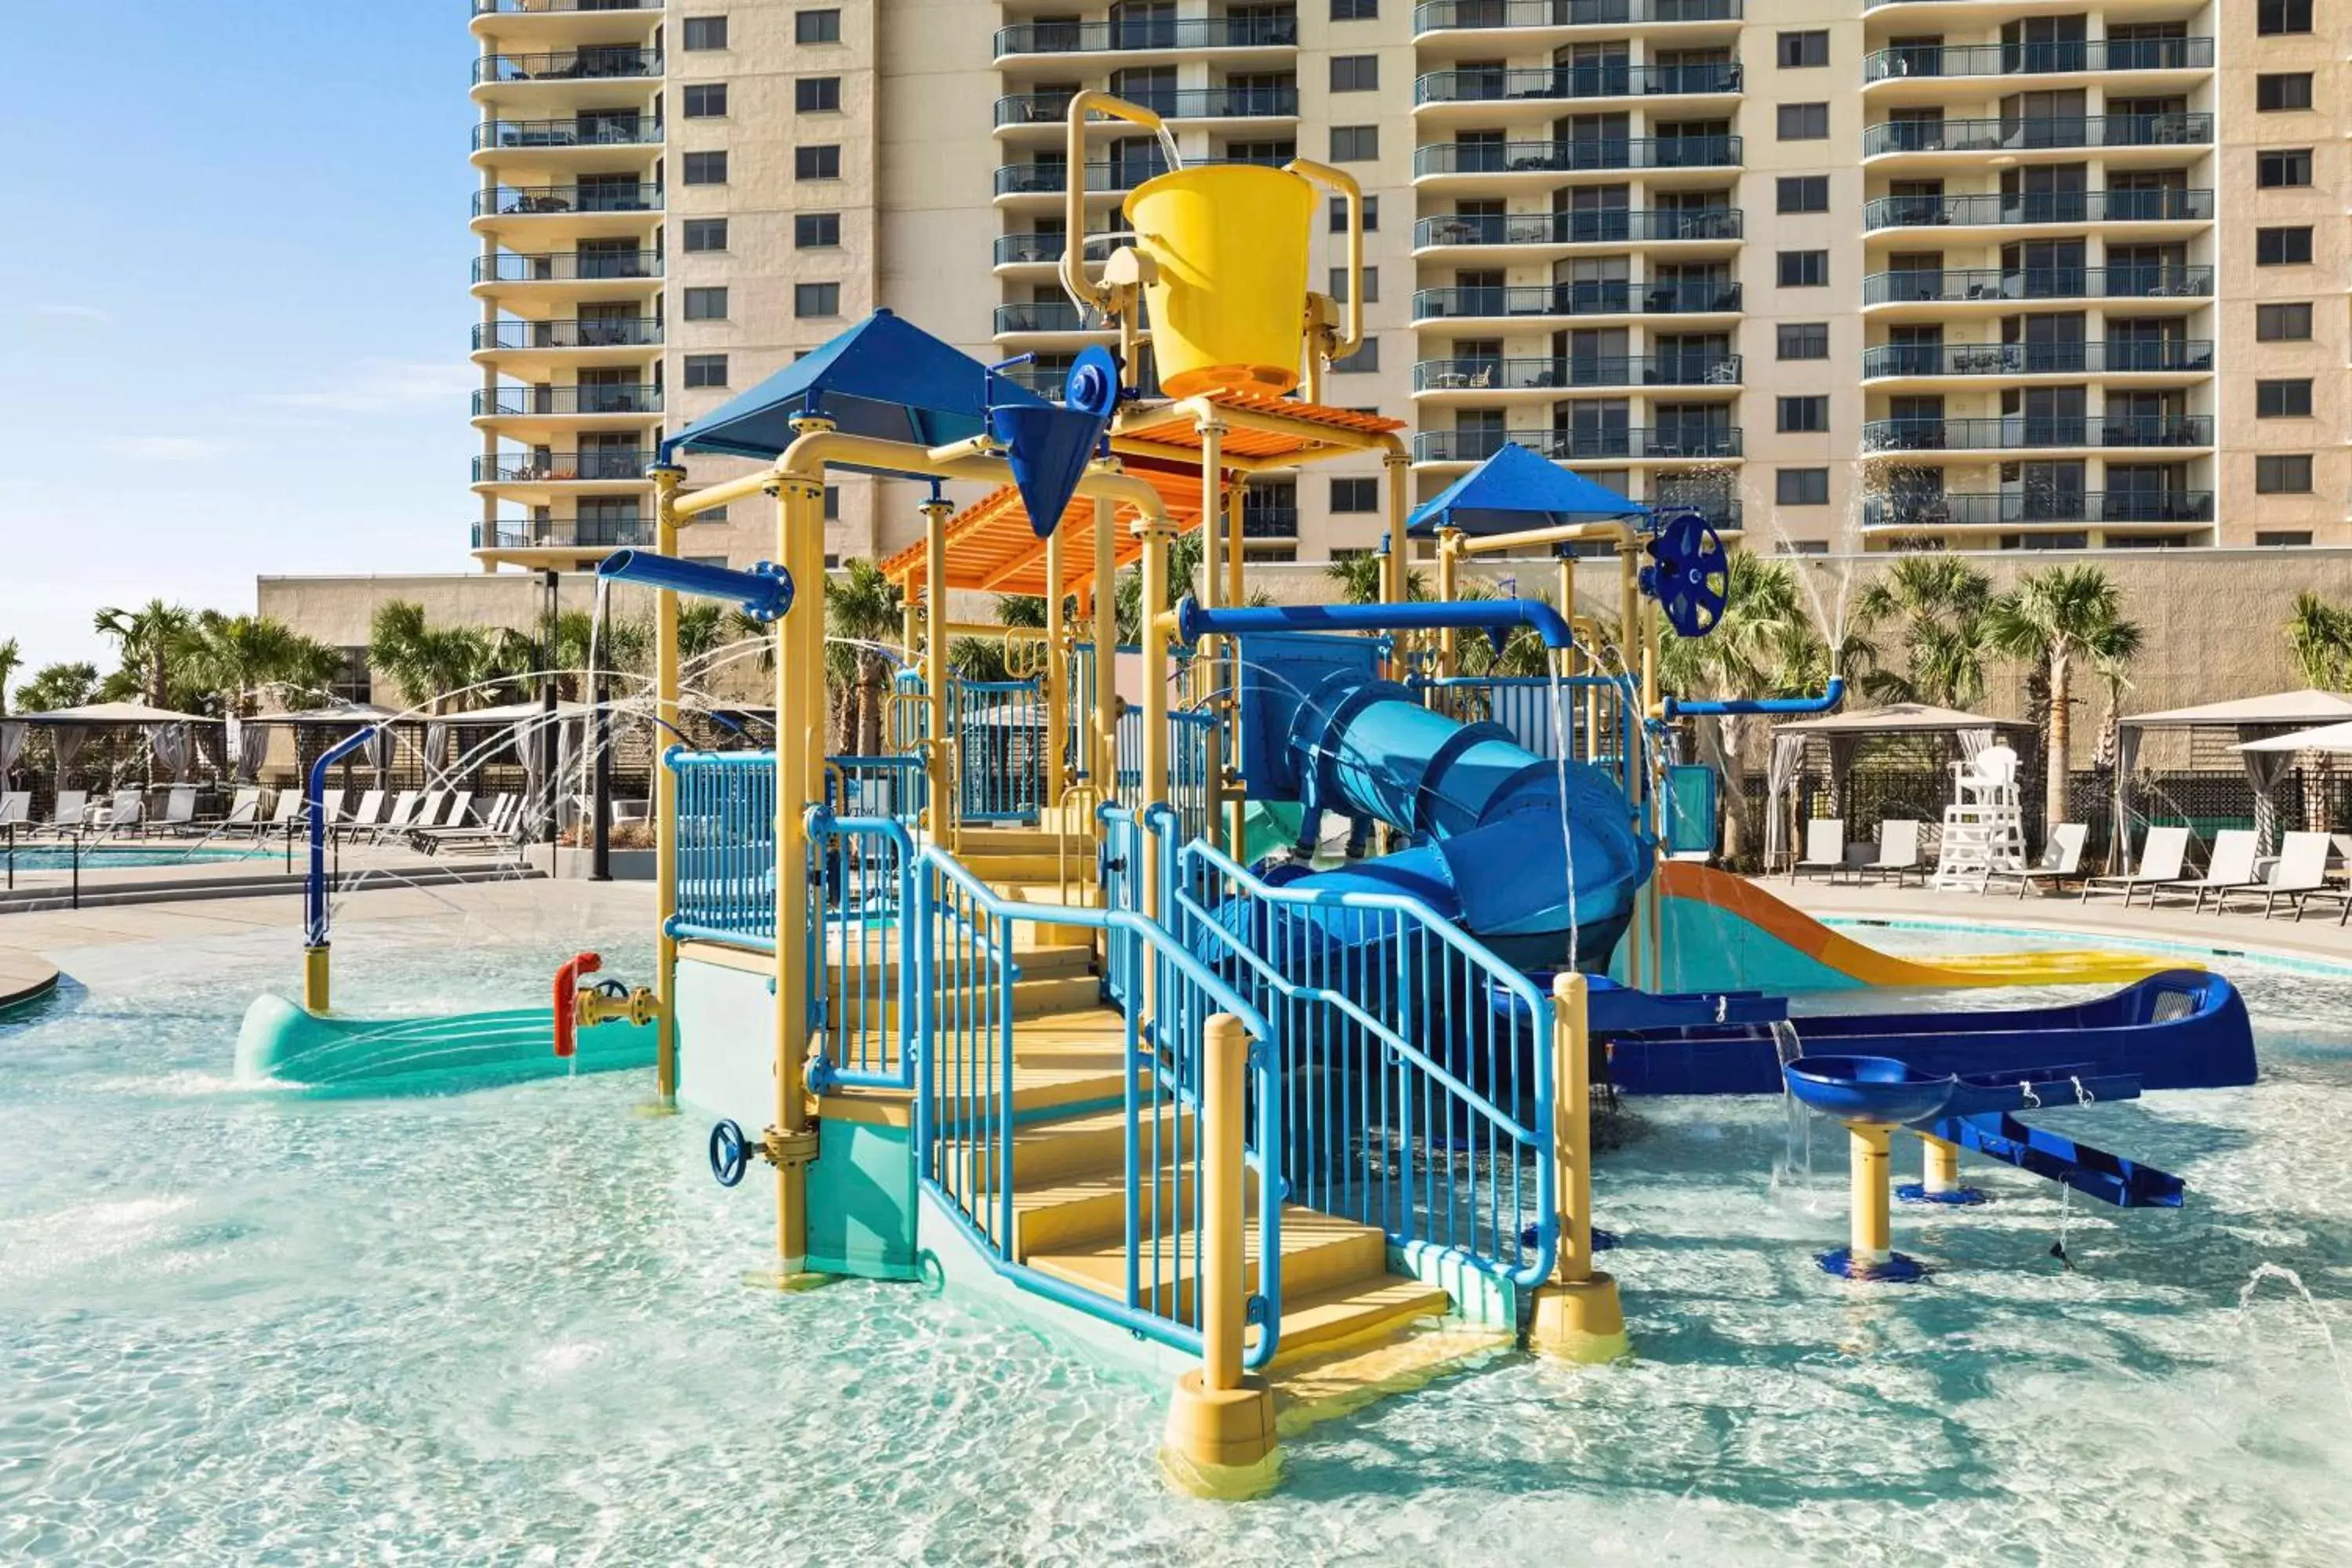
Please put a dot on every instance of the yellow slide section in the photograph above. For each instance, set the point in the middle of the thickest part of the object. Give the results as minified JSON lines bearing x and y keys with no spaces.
{"x":1725,"y":904}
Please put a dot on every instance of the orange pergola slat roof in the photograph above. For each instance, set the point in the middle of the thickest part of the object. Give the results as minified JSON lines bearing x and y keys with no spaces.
{"x":992,"y":548}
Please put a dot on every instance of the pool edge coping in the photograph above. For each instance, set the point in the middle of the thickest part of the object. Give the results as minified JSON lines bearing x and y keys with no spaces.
{"x":2281,"y":957}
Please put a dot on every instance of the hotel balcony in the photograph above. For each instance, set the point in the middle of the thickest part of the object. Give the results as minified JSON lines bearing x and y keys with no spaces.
{"x":1047,"y":113}
{"x":519,"y":346}
{"x":2181,"y":359}
{"x":1040,"y":185}
{"x":2012,"y":509}
{"x":530,"y":27}
{"x":578,"y":278}
{"x":2028,"y":433}
{"x":1536,"y":237}
{"x":1231,"y":41}
{"x":565,"y":401}
{"x":560,"y":540}
{"x":543,"y":477}
{"x":1479,"y":26}
{"x":1530,"y":304}
{"x":1051,"y":323}
{"x":1039,"y":255}
{"x":589,"y":132}
{"x":1942,"y":293}
{"x":1495,"y":381}
{"x":1475,"y":94}
{"x":544,"y":215}
{"x":617,"y":76}
{"x":2160,"y":212}
{"x":1664,"y":444}
{"x":1930,"y":142}
{"x":1910,"y":73}
{"x":1497,"y":167}
{"x":1269,"y":521}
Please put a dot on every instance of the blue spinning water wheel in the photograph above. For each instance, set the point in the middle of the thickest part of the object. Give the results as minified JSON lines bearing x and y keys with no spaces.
{"x":1688,"y":574}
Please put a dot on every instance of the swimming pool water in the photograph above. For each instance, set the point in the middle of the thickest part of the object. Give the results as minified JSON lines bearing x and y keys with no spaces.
{"x":512,"y":1327}
{"x":99,"y":856}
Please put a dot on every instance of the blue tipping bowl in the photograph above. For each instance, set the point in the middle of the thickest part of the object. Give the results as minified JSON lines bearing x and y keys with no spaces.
{"x":1877,"y":1091}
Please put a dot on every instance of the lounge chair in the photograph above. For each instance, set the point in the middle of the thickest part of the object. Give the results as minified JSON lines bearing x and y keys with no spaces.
{"x":16,"y":808}
{"x":127,"y":812}
{"x":399,"y":819}
{"x":244,"y":811}
{"x":1899,"y":851}
{"x":2162,"y":856}
{"x":179,"y":810}
{"x":1824,"y":847}
{"x":365,"y":815}
{"x":492,"y":827}
{"x":2299,"y":872}
{"x":70,"y":814}
{"x":461,"y":810}
{"x":2228,"y":868}
{"x":283,"y":812}
{"x":428,"y":810}
{"x":2062,"y":860}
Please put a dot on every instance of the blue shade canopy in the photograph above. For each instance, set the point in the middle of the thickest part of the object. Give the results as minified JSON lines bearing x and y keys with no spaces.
{"x":1516,"y":489}
{"x":884,"y":377}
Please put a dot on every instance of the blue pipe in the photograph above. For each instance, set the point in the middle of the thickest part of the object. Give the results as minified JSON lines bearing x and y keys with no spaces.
{"x":314,"y":793}
{"x":765,"y":591}
{"x":1194,"y":620}
{"x":1731,"y":707}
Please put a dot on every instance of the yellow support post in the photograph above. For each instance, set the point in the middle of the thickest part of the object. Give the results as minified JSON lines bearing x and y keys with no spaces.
{"x":1941,"y":1175}
{"x":1871,"y":1238}
{"x":668,"y":678}
{"x":1235,"y":816}
{"x":938,"y":757}
{"x":1395,"y":468}
{"x":1104,"y":768}
{"x":1449,"y":567}
{"x":1578,"y":1316}
{"x":315,"y":989}
{"x":1220,"y":1433}
{"x":1157,"y":629}
{"x":1057,"y":678}
{"x":790,"y":1141}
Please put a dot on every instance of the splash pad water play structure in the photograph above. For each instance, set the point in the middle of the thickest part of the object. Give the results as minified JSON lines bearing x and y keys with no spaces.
{"x":1020,"y":1008}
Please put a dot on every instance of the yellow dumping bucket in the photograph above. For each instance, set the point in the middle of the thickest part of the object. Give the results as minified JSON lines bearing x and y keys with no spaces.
{"x":1228,"y":305}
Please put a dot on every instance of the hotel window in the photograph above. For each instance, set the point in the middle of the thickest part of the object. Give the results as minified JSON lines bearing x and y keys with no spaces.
{"x":1355,"y":495}
{"x":706,"y":234}
{"x":1339,"y":215}
{"x":2283,"y":247}
{"x":1355,"y":143}
{"x":1355,"y":73}
{"x":2282,"y":399}
{"x":1803,"y":415}
{"x":817,"y":26}
{"x":2281,"y":538}
{"x":705,"y":168}
{"x":705,"y":100}
{"x":2273,"y":18}
{"x":1804,"y":121}
{"x":1800,"y":49}
{"x":1802,"y":486}
{"x":816,"y":94}
{"x":2285,"y":90}
{"x":706,"y":370}
{"x":706,"y":304}
{"x":816,"y":163}
{"x":2283,"y":168}
{"x":2283,"y":475}
{"x":2282,"y":323}
{"x":1804,"y":339}
{"x":1804,"y":269}
{"x":816,"y":300}
{"x":1371,"y":285}
{"x":1354,"y":10}
{"x":816,"y":231}
{"x":1804,"y":194}
{"x":1365,"y":359}
{"x":704,"y":33}
{"x":833,"y":503}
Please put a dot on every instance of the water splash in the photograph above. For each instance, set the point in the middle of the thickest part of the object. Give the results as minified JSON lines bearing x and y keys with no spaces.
{"x":2269,"y":1270}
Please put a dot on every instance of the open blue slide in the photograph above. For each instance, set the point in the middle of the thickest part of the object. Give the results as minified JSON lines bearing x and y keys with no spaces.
{"x":1483,"y":813}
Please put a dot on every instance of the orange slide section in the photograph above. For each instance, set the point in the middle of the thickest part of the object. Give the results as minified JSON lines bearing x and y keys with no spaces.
{"x":1737,"y":909}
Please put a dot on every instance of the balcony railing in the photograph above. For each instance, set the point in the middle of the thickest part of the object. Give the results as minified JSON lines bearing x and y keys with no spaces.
{"x":1580,"y":154}
{"x":586,"y":130}
{"x":1269,"y":521}
{"x":567,"y":266}
{"x":569,"y":65}
{"x":1172,"y":103}
{"x":516,"y":402}
{"x":1670,"y":369}
{"x":1909,"y":61}
{"x":537,"y":7}
{"x":2185,"y":129}
{"x":2024,"y":430}
{"x":1444,"y":15}
{"x":604,"y":463}
{"x":1960,"y":285}
{"x":1048,"y":380}
{"x":534,"y":201}
{"x":1592,"y":299}
{"x":1052,"y":179}
{"x":2040,"y":206}
{"x":635,"y":332}
{"x":1495,"y":86}
{"x":2102,"y":357}
{"x":1992,"y":508}
{"x":1048,"y":316}
{"x":1570,"y":445}
{"x":1161,"y":32}
{"x":1607,"y":226}
{"x":1012,"y":248}
{"x":612,"y":533}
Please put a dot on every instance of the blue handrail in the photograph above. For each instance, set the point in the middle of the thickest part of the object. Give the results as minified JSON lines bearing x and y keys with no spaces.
{"x":1714,"y":708}
{"x":862,"y":951}
{"x":314,"y":800}
{"x":1196,"y":620}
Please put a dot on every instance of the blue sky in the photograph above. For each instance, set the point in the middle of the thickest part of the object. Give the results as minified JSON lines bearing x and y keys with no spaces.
{"x":233,"y":306}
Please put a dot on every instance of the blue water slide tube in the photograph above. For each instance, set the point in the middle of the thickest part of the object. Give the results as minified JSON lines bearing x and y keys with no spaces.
{"x":1723,"y":708}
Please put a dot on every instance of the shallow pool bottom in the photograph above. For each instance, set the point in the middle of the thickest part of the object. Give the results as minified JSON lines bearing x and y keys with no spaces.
{"x":513,"y":1326}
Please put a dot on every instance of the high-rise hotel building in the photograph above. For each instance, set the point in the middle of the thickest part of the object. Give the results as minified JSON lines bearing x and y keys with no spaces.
{"x":1849,"y":274}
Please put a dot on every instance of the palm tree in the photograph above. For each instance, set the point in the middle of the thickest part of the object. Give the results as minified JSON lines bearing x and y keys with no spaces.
{"x":1357,"y":579}
{"x":429,"y":664}
{"x":1938,"y":604}
{"x":232,"y":657}
{"x":56,"y":685}
{"x":12,"y":659}
{"x":862,"y":617}
{"x":2320,"y":635}
{"x":149,"y":640}
{"x":2053,"y":618}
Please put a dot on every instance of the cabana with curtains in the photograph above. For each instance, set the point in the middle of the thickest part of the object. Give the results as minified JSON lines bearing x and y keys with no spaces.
{"x":170,"y":736}
{"x":2247,"y":719}
{"x":1844,"y":733}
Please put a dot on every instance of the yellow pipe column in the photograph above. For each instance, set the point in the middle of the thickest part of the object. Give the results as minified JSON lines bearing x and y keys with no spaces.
{"x":1941,"y":1173}
{"x":667,"y":680}
{"x":1229,"y":758}
{"x":1057,"y":678}
{"x":1155,"y":534}
{"x":938,"y":757}
{"x":1871,"y":1240}
{"x":1221,"y":1434}
{"x":791,"y":1142}
{"x":1578,"y":1315}
{"x":1449,"y":568}
{"x":1104,"y":768}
